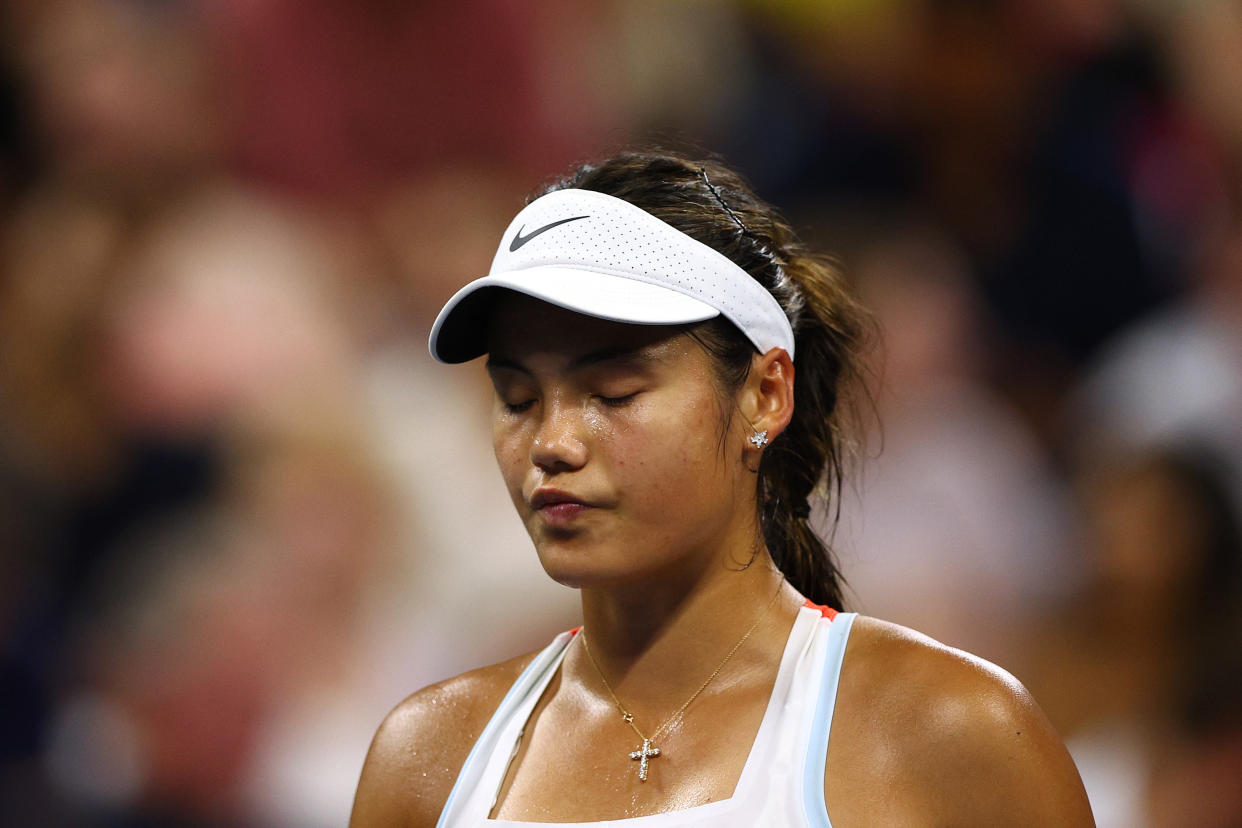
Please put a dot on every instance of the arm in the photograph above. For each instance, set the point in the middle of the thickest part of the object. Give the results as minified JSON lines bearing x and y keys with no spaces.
{"x":997,"y":758}
{"x":932,"y":735}
{"x":421,"y":746}
{"x":393,"y":790}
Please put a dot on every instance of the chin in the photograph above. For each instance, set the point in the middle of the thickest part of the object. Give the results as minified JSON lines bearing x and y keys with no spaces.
{"x":576,"y":573}
{"x":586,"y":565}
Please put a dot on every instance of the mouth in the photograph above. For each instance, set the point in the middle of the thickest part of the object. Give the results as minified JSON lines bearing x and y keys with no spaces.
{"x":558,"y":508}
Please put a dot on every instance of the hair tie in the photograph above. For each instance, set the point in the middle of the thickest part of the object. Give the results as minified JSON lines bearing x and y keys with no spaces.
{"x":723,"y":203}
{"x":801,"y":510}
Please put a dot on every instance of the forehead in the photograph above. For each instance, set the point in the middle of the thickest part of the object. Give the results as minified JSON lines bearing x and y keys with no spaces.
{"x":520,"y":327}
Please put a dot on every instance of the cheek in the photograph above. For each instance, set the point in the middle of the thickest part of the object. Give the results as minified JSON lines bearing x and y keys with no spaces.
{"x":673,"y":457}
{"x":511,"y":457}
{"x":607,"y":436}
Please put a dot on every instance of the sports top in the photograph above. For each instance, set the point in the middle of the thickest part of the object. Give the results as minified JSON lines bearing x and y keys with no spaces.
{"x":782,"y":782}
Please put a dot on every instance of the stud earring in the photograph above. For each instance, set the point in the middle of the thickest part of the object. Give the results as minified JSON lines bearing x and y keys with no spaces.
{"x":759,"y":439}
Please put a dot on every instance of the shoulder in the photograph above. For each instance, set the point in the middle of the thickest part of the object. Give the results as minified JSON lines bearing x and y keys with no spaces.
{"x":960,"y":739}
{"x":422,"y":744}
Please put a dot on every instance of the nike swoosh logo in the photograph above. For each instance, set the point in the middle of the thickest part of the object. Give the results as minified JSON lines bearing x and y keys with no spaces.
{"x":519,"y":239}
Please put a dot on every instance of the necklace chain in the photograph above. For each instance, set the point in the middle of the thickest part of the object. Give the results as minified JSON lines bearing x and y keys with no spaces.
{"x":629,"y":717}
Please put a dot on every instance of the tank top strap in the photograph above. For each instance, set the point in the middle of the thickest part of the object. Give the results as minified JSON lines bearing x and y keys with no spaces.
{"x":818,"y":723}
{"x":485,"y":766}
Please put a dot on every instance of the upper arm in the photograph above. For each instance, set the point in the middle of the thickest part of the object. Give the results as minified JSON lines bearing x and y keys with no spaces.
{"x":997,"y":756}
{"x":938,"y":736}
{"x":393,"y":790}
{"x":421,"y":746}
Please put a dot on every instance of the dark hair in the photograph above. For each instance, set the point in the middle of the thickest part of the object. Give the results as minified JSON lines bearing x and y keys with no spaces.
{"x":711,"y":203}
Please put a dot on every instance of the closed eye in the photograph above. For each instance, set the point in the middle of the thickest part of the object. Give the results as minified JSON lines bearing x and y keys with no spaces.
{"x":518,"y":408}
{"x":617,"y":402}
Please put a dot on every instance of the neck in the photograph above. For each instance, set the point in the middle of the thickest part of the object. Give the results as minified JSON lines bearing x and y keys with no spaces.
{"x":655,"y":641}
{"x":629,"y":618}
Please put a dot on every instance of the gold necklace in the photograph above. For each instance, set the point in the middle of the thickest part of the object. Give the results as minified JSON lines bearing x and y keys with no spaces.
{"x":647,"y":750}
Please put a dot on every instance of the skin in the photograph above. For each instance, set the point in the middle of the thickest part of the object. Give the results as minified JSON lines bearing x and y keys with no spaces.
{"x":630,"y":419}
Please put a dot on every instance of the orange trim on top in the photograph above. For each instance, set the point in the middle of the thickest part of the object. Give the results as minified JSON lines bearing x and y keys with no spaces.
{"x":827,"y":612}
{"x":575,"y":630}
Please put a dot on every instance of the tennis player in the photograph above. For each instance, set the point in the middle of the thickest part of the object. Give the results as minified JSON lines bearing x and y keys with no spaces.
{"x":673,"y":378}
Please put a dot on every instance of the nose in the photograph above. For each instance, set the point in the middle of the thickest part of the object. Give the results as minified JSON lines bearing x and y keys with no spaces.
{"x":558,"y":445}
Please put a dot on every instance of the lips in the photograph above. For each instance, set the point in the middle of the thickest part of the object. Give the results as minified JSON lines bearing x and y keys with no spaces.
{"x":547,"y":498}
{"x":559,"y":509}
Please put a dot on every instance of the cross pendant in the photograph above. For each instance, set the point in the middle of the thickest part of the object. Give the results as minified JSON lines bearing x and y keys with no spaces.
{"x":643,"y":754}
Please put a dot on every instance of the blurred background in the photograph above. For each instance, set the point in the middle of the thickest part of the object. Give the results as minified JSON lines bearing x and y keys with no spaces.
{"x":242,"y":513}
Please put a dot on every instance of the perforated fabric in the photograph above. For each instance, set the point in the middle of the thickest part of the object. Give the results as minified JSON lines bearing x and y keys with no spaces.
{"x":602,"y":256}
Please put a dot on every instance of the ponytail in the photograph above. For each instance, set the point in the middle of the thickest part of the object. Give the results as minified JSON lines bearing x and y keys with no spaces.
{"x":809,"y":459}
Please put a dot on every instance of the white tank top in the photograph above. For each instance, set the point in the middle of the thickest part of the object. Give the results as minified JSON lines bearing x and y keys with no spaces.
{"x":782,"y":782}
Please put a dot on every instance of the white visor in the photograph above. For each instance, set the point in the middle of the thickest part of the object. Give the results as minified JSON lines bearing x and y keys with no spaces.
{"x":604,"y":257}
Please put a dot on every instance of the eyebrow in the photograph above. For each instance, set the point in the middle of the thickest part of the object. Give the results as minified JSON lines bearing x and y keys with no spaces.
{"x":614,"y":353}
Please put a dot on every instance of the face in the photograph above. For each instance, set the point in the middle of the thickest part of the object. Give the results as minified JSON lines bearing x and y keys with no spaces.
{"x":620,"y":455}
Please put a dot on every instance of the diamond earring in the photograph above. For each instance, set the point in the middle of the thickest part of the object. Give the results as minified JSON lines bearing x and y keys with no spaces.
{"x":759,"y":439}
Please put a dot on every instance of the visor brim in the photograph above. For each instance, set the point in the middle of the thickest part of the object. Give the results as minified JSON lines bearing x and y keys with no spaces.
{"x":459,"y":333}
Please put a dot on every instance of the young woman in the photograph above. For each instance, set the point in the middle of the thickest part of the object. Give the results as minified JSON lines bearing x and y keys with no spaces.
{"x":670,"y":369}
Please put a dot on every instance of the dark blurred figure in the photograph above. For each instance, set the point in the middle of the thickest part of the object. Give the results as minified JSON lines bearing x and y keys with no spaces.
{"x":1144,"y":671}
{"x":1050,"y":141}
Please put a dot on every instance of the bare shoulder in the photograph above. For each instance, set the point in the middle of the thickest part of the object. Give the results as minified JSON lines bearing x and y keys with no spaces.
{"x":950,"y":737}
{"x":422,"y":744}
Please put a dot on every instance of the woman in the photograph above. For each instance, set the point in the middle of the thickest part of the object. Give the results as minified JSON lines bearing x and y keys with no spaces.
{"x":642,"y":322}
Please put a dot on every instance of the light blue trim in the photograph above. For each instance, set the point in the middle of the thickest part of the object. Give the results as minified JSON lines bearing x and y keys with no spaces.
{"x":514,"y":696}
{"x":814,"y":805}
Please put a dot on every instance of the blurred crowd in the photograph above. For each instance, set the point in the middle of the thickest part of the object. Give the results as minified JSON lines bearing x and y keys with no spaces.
{"x":242,"y":512}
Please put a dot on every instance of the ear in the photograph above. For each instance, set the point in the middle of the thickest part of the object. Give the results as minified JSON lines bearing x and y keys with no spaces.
{"x":767,"y":399}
